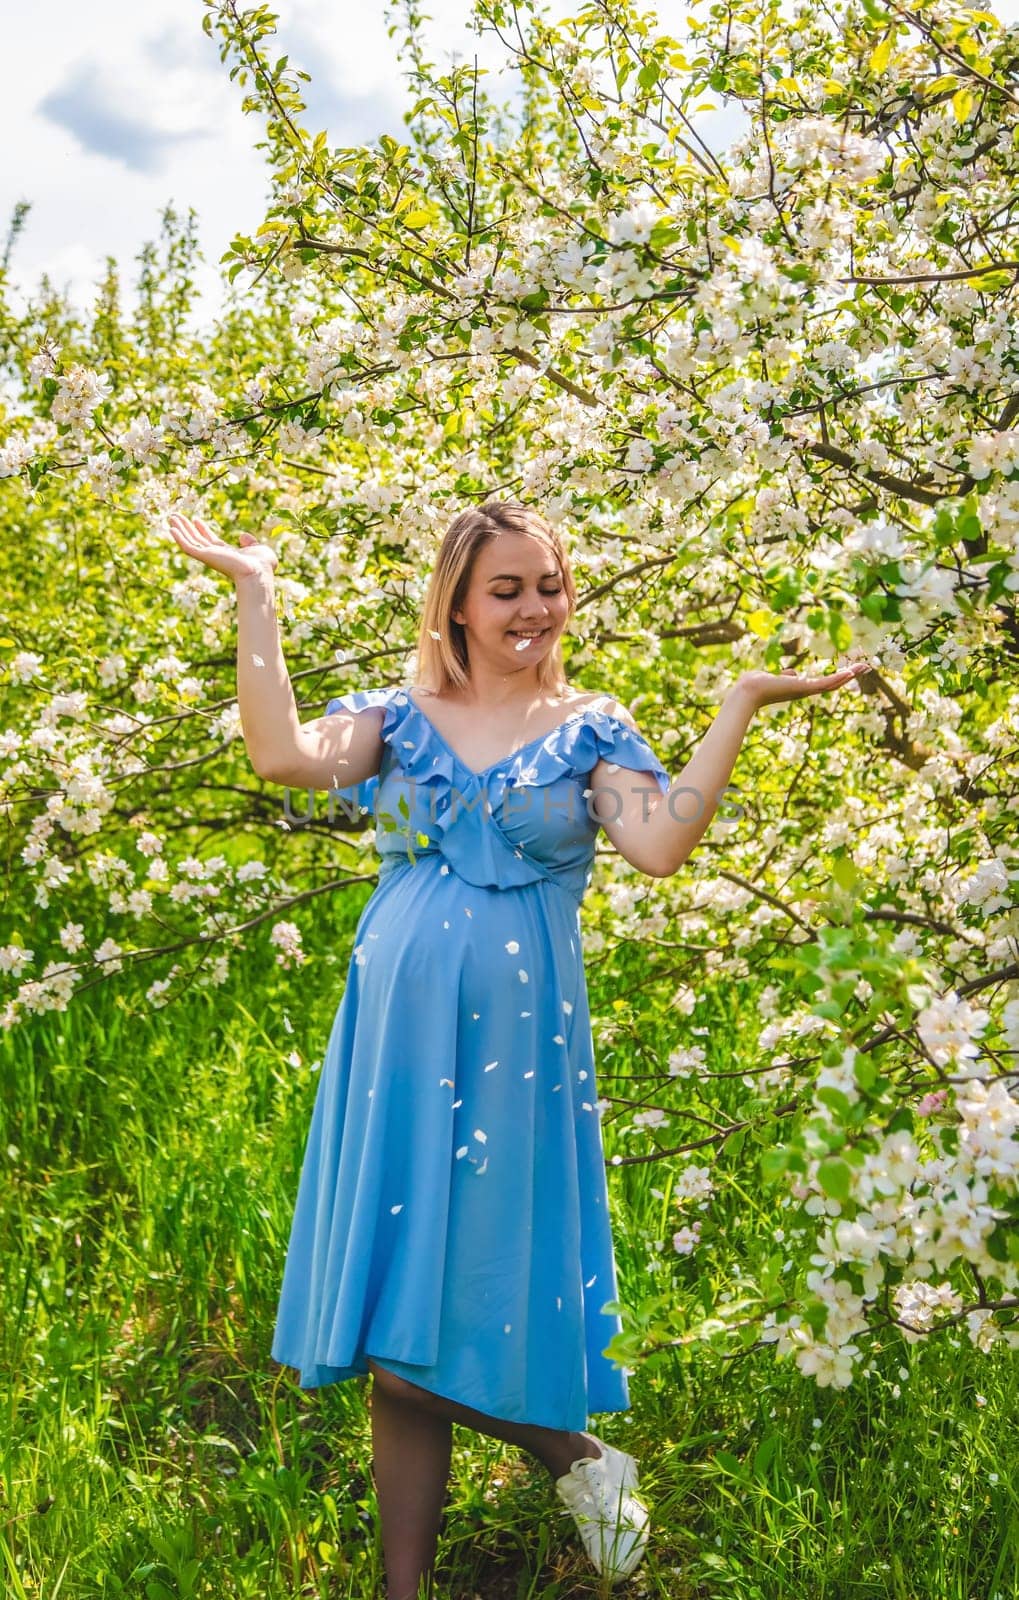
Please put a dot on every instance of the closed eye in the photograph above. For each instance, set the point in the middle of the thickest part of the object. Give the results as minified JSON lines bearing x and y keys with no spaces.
{"x":514,"y":595}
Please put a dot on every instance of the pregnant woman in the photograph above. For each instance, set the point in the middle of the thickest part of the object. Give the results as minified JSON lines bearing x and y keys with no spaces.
{"x":451,"y":1232}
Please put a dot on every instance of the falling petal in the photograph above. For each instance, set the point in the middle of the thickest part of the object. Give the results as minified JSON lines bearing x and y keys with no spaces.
{"x":258,"y":661}
{"x":529,"y":1074}
{"x":491,"y":1064}
{"x":522,"y":975}
{"x":512,"y":947}
{"x":395,"y":1209}
{"x":461,"y":1152}
{"x":433,"y":634}
{"x":481,"y":1136}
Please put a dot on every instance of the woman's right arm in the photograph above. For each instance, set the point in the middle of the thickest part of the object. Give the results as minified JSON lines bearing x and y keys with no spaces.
{"x":333,"y":752}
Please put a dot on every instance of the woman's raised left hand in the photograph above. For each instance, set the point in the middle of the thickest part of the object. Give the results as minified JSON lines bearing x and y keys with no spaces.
{"x":772,"y":688}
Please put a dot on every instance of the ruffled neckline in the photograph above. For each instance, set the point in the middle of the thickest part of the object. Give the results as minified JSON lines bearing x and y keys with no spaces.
{"x":512,"y":755}
{"x":575,"y":745}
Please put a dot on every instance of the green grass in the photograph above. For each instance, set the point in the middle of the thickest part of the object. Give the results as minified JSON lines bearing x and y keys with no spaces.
{"x":150,"y":1448}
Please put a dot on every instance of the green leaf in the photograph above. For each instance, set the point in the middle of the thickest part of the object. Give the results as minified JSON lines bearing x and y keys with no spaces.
{"x":774,"y":1161}
{"x":839,"y":631}
{"x":834,"y":1098}
{"x":997,"y":1244}
{"x":735,"y":1142}
{"x":963,"y":101}
{"x":844,"y":872}
{"x":873,"y":606}
{"x":763,"y":1454}
{"x":834,"y":1176}
{"x":880,"y":55}
{"x":815,"y":1315}
{"x":770,"y":1271}
{"x":865,"y":1072}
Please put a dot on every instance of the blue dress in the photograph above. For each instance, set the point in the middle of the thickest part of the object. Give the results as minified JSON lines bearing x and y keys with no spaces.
{"x":452,"y":1218}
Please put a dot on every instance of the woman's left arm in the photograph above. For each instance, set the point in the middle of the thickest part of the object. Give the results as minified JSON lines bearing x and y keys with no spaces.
{"x":657,"y":832}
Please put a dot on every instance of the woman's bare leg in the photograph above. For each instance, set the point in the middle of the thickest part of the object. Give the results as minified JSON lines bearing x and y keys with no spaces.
{"x":411,"y":1435}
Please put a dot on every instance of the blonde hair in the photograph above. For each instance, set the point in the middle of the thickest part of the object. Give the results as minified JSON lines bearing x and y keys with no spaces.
{"x":442,"y":663}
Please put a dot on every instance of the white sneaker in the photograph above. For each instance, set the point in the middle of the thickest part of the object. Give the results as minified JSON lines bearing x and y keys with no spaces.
{"x":612,"y":1521}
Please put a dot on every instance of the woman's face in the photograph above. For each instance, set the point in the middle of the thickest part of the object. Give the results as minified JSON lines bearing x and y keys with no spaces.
{"x":516,"y":591}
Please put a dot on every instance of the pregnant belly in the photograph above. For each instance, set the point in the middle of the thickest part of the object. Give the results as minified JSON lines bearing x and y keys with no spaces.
{"x":428,"y":938}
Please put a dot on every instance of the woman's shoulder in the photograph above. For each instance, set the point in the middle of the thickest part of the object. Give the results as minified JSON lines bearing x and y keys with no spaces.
{"x":387,"y":698}
{"x":595,"y":700}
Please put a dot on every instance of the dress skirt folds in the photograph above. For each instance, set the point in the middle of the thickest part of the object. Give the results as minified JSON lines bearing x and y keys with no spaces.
{"x":452,"y":1218}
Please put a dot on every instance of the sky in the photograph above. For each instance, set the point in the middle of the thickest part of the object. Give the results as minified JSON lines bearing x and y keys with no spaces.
{"x":117,"y":108}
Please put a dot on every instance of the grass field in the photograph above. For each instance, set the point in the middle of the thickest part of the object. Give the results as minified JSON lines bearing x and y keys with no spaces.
{"x":150,"y":1448}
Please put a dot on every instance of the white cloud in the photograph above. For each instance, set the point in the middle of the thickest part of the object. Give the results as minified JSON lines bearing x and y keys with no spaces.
{"x":90,"y":105}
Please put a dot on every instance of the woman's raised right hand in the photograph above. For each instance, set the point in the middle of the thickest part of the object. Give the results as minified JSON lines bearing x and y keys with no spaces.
{"x":250,"y":561}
